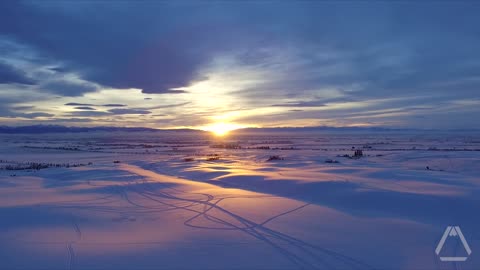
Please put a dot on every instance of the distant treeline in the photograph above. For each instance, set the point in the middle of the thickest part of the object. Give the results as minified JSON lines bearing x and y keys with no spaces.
{"x":238,"y":146}
{"x":74,"y":148}
{"x":17,"y":166}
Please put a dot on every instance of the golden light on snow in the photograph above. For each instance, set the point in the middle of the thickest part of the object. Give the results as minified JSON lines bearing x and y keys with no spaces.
{"x":222,"y":128}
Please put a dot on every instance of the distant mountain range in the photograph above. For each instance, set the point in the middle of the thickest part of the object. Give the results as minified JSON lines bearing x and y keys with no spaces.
{"x":63,"y":129}
{"x":323,"y":128}
{"x":355,"y":130}
{"x":37,"y":129}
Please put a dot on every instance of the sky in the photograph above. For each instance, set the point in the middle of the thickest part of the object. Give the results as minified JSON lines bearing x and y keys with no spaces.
{"x":198,"y":64}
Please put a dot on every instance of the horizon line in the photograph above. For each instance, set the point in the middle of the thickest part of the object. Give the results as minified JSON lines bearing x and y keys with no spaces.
{"x":5,"y":128}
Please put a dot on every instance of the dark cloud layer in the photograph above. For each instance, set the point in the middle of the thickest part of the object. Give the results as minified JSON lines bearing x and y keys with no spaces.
{"x":115,"y":51}
{"x":66,"y":88}
{"x":162,"y":46}
{"x":129,"y":111}
{"x":89,"y":104}
{"x":33,"y":115}
{"x":85,"y":108}
{"x":301,"y":104}
{"x":18,"y":113}
{"x":9,"y":74}
{"x":78,"y":104}
{"x":114,"y":105}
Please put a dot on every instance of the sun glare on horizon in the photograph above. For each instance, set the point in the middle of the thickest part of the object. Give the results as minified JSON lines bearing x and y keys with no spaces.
{"x":222,"y":129}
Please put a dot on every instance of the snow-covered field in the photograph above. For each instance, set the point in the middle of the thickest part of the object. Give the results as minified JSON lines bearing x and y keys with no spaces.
{"x":186,"y":200}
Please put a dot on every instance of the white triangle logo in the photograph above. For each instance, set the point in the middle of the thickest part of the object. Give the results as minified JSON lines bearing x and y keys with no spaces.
{"x":453,"y":231}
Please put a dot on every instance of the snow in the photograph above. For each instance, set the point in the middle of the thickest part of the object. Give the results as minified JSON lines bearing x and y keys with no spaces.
{"x":154,"y":210}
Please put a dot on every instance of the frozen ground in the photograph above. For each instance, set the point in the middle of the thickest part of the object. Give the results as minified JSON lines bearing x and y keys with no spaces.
{"x":179,"y":200}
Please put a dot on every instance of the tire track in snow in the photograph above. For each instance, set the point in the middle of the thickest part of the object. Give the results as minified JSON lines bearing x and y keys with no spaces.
{"x":299,"y":252}
{"x":70,"y":250}
{"x":71,"y":256}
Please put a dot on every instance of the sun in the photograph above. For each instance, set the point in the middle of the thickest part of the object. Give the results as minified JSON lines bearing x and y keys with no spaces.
{"x":222,"y":129}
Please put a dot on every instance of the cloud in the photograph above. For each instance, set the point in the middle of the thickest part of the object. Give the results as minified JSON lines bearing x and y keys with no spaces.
{"x":78,"y":104}
{"x":88,"y":113}
{"x":58,"y":69}
{"x":89,"y":104}
{"x":172,"y":91}
{"x":24,"y":111}
{"x":167,"y":106}
{"x":321,"y":56}
{"x":69,"y":88}
{"x":34,"y":115}
{"x":22,"y":108}
{"x":129,"y":111}
{"x":10,"y":74}
{"x":85,"y":108}
{"x":136,"y":60}
{"x":68,"y":120}
{"x":113,"y":105}
{"x":301,"y":104}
